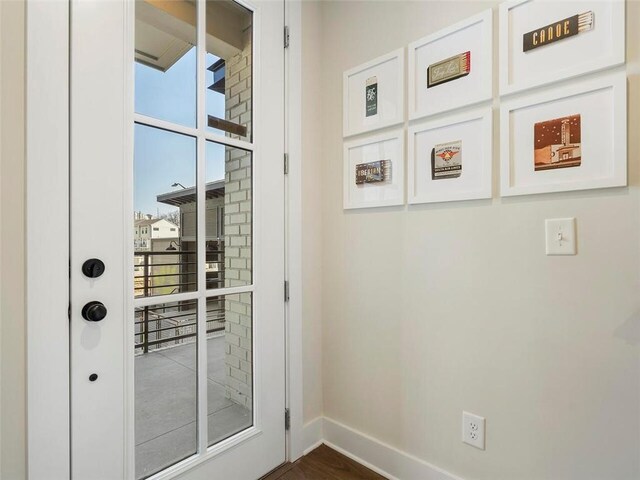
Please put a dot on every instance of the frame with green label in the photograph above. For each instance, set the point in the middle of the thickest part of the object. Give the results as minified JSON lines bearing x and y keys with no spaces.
{"x":374,"y":94}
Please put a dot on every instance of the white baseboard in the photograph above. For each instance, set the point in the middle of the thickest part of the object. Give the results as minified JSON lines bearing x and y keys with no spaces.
{"x":312,"y":435}
{"x":384,"y":459}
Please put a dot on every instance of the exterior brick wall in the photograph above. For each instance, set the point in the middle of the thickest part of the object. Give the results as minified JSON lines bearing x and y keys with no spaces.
{"x":237,"y":224}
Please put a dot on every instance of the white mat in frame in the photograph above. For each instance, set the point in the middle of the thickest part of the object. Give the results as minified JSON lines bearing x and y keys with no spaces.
{"x":373,"y":148}
{"x":601,"y":104}
{"x":473,"y":35}
{"x":472,"y":133}
{"x":598,"y":48}
{"x":387,"y":73}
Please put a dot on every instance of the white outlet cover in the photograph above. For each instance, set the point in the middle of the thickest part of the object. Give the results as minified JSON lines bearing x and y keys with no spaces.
{"x":560,"y":236}
{"x":473,"y":427}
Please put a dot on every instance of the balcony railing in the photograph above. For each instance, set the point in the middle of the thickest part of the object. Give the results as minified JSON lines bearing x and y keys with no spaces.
{"x":161,"y":273}
{"x":166,"y":272}
{"x":174,"y":323}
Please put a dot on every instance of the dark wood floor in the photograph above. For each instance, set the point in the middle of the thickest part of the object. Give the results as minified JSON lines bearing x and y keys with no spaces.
{"x":323,"y":464}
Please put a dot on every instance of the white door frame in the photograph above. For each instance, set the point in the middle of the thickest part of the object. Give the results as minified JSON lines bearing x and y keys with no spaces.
{"x":47,"y":232}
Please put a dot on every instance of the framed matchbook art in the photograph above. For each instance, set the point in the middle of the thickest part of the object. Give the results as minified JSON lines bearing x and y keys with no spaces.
{"x":542,"y":42}
{"x":451,"y":68}
{"x":373,"y":94}
{"x":450,"y":158}
{"x":374,"y":171}
{"x":571,"y":137}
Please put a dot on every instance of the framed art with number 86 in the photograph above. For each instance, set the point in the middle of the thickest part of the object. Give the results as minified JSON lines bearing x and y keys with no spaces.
{"x":373,"y":96}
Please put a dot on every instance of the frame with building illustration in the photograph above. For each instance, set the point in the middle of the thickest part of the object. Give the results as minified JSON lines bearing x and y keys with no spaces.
{"x":543,"y":42}
{"x":373,"y":95}
{"x":566,"y":138}
{"x":451,"y":68}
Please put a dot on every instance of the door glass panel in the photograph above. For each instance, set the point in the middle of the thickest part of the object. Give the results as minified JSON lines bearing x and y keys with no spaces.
{"x":165,"y":386}
{"x":229,"y":365}
{"x":165,"y":53}
{"x":228,"y":216}
{"x":229,"y":69}
{"x":164,"y":212}
{"x":165,"y":228}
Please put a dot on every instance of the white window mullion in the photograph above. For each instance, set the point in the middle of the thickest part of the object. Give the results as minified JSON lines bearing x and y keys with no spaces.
{"x":164,"y":125}
{"x":229,"y":141}
{"x":201,"y":130}
{"x":217,"y":292}
{"x":158,"y":299}
{"x":201,"y":226}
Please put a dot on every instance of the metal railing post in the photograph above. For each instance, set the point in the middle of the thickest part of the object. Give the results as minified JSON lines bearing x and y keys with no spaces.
{"x":145,"y":324}
{"x":146,"y":274}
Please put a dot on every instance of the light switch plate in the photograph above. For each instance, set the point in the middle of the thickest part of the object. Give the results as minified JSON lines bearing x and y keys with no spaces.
{"x":560,"y":234}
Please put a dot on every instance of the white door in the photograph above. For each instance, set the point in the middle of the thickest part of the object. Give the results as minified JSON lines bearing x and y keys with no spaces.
{"x":177,"y":239}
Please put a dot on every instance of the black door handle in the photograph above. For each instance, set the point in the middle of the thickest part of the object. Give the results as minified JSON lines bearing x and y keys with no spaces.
{"x":93,"y":268}
{"x":94,"y":311}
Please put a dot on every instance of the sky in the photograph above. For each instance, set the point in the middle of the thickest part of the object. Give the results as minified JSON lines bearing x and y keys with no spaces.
{"x":163,"y":158}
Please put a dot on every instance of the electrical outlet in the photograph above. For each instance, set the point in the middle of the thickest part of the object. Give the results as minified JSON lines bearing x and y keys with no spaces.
{"x":473,"y":430}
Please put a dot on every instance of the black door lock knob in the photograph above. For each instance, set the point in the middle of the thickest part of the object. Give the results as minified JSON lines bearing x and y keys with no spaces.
{"x":94,"y":311}
{"x":93,"y":268}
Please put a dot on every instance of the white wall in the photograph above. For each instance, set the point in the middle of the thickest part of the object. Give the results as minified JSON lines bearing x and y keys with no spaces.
{"x":431,"y":310}
{"x":12,"y":265}
{"x":312,"y":194}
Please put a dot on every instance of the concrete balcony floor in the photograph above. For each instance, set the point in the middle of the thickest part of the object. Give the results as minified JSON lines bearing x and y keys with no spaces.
{"x":165,"y":408}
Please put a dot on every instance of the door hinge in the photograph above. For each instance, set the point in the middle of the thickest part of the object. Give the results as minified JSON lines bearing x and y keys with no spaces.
{"x":286,"y":290}
{"x":286,"y":36}
{"x":287,"y":419}
{"x":286,"y":163}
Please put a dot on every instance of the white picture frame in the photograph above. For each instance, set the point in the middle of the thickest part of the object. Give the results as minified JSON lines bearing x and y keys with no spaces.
{"x":371,"y":148}
{"x":388,"y":70}
{"x":474,"y":35}
{"x":474,"y":130}
{"x":601,"y":103}
{"x":592,"y":50}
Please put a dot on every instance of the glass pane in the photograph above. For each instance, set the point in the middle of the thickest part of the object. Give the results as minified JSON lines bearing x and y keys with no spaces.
{"x":229,"y":69}
{"x":165,"y":385}
{"x":165,"y":53}
{"x":229,"y":366}
{"x":228,"y":216}
{"x":164,"y":202}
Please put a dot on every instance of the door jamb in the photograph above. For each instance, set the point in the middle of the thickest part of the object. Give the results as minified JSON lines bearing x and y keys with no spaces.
{"x":293,"y":238}
{"x":47,"y":237}
{"x":47,"y":199}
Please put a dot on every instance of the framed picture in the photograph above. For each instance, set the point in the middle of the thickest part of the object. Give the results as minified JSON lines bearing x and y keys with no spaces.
{"x":542,"y":42}
{"x":374,"y":171}
{"x":374,"y":94}
{"x":451,"y":68}
{"x":572,"y":137}
{"x":450,"y":158}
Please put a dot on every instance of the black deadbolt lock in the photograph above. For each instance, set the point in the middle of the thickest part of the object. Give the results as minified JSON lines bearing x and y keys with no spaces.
{"x":93,"y":268}
{"x":94,"y":311}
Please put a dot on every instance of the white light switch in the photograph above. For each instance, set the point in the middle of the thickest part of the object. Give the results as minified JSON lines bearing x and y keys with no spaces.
{"x":561,"y":236}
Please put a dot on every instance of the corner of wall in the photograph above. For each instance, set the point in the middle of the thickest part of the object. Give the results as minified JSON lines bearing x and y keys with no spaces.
{"x":12,"y":239}
{"x":311,"y":179}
